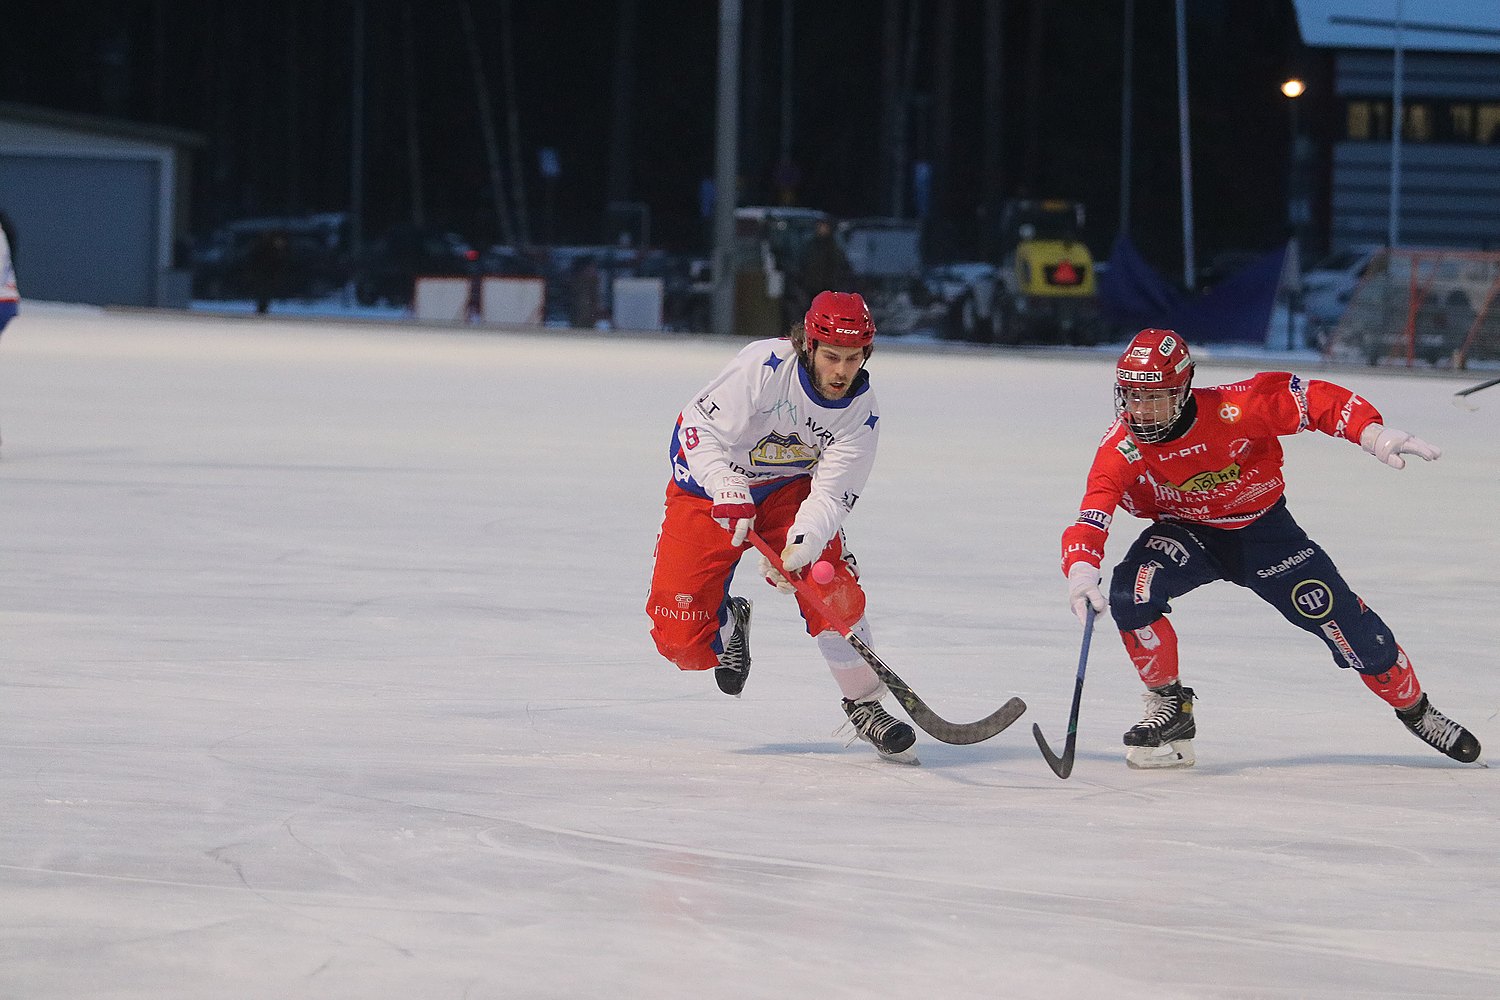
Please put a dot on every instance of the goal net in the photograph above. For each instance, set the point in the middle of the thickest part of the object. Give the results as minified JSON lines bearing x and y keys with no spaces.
{"x":1438,"y":307}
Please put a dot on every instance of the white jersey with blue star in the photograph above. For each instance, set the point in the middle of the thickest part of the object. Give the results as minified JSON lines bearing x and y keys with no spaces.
{"x":8,"y":291}
{"x":762,"y":419}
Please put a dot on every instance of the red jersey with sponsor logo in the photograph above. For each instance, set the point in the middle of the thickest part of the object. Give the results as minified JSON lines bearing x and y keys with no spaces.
{"x":1224,"y":471}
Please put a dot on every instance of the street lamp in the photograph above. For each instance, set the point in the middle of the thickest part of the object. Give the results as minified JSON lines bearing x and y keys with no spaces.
{"x":1298,"y":203}
{"x":1298,"y":209}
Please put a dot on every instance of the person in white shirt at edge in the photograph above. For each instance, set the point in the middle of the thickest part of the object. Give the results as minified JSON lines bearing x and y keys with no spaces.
{"x":781,"y":441}
{"x":10,"y":298}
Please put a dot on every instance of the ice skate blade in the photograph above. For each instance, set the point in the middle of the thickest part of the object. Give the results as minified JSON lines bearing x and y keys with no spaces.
{"x":726,"y":683}
{"x":907,"y":756}
{"x":1178,"y":754}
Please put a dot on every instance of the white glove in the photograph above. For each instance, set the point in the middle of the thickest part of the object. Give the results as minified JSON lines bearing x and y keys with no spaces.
{"x":1389,"y":444}
{"x":774,"y":578}
{"x":799,"y":552}
{"x":734,"y":507}
{"x":1083,"y":590}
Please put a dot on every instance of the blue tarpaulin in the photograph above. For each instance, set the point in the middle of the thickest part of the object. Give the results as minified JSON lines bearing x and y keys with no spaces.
{"x":1237,"y":310}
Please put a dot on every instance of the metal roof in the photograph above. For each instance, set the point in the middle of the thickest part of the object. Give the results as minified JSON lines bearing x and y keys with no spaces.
{"x":1426,"y":25}
{"x":116,"y":128}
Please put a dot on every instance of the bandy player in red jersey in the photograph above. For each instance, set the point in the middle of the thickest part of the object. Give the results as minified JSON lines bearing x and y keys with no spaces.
{"x":782,"y":441}
{"x":1205,"y":465}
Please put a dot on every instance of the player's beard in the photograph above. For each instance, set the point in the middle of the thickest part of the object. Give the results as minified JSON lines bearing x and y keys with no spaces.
{"x":827,"y":391}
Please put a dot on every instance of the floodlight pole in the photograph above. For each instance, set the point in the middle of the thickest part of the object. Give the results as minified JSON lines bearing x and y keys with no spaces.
{"x":726,"y":157}
{"x":1393,"y":224}
{"x":1185,"y":146}
{"x":357,"y":131}
{"x":1127,"y":121}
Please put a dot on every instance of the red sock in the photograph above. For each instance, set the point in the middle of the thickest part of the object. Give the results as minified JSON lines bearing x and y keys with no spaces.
{"x":1398,"y":687}
{"x":1153,"y":650}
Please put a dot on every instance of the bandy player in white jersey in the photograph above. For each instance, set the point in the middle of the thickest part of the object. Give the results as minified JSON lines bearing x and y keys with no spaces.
{"x":10,"y":298}
{"x":781,"y":441}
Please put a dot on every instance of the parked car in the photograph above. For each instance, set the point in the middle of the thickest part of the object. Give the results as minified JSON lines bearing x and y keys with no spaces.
{"x":1328,"y":285}
{"x":974,"y":300}
{"x":504,"y":261}
{"x":885,"y":255}
{"x":388,"y":267}
{"x":580,"y":279}
{"x":314,"y":259}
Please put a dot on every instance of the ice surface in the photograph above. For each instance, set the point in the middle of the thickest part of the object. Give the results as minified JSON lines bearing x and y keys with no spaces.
{"x":327,"y":675}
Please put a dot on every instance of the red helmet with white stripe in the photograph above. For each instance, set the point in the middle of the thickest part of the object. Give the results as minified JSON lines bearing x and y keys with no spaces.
{"x":1153,"y":380}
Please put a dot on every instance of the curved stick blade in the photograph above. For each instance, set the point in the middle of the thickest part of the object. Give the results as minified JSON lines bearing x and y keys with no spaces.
{"x":1061,"y":766}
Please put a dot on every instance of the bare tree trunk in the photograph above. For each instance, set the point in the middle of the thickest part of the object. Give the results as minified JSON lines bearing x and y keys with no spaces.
{"x":487,"y":127}
{"x":785,"y":146}
{"x":752,"y":92}
{"x":1031,"y":170}
{"x":620,"y":132}
{"x":293,"y":102}
{"x":513,"y":121}
{"x":413,"y":146}
{"x":890,"y":87}
{"x":993,"y":119}
{"x":357,"y":132}
{"x":158,"y":61}
{"x":942,"y":108}
{"x":1127,"y":118}
{"x":902,"y":129}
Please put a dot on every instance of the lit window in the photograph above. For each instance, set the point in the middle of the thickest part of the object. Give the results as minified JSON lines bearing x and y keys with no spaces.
{"x":1358,"y":125}
{"x":1487,"y":125}
{"x":1461,"y":122}
{"x":1417,"y":123}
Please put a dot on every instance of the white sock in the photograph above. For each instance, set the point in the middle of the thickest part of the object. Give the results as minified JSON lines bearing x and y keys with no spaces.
{"x":854,"y":676}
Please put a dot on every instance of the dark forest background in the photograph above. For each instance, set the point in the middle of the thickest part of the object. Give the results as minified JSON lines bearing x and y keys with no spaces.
{"x":624,"y":94}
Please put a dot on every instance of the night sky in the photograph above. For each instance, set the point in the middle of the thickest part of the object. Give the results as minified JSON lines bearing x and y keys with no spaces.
{"x":268,"y":86}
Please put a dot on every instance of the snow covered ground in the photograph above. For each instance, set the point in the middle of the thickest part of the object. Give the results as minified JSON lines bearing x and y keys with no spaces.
{"x":326,"y":675}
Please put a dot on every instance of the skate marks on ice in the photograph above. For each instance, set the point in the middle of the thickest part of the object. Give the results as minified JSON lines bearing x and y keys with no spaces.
{"x":396,"y":721}
{"x":763,"y":885}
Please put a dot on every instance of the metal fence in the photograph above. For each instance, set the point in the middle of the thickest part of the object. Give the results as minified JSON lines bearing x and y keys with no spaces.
{"x":1422,"y":306}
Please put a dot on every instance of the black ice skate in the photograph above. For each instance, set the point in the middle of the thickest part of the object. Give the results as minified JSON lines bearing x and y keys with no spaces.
{"x":1164,"y":738}
{"x":1437,"y":730}
{"x":734,"y":663}
{"x":886,"y":733}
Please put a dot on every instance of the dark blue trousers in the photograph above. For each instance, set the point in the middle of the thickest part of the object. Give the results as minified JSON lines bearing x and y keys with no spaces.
{"x":1271,"y":556}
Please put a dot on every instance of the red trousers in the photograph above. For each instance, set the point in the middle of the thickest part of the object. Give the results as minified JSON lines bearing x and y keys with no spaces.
{"x":695,"y":562}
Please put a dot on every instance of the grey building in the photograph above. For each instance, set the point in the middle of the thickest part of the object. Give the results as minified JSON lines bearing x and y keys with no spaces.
{"x":1447,"y":162}
{"x":98,"y":206}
